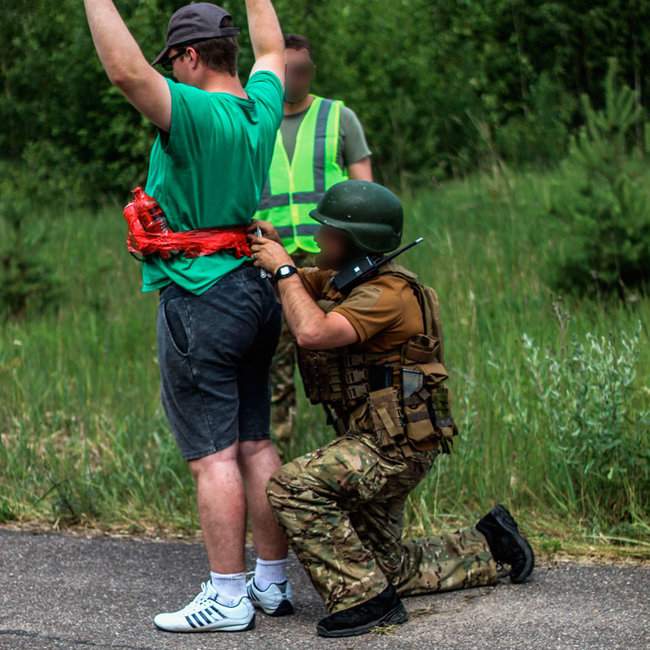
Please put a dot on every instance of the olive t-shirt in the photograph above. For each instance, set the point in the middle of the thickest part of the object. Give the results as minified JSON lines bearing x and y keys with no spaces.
{"x":384,"y":311}
{"x":353,"y":146}
{"x":209,"y":171}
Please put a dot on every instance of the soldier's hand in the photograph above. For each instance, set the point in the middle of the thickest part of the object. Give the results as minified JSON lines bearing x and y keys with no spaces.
{"x":269,"y":254}
{"x":267,"y":228}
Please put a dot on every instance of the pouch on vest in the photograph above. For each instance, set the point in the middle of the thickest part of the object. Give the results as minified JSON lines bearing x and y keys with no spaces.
{"x":442,"y":416}
{"x":425,"y":399}
{"x":420,"y":349}
{"x":415,"y":397}
{"x":386,"y":417}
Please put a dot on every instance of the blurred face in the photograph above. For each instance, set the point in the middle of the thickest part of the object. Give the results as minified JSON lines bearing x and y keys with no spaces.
{"x":300,"y":73}
{"x":334,"y":248}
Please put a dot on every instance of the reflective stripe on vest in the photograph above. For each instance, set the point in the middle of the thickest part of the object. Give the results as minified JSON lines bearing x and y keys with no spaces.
{"x":294,"y":189}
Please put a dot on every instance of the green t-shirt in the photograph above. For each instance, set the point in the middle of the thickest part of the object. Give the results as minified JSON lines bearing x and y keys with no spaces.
{"x":209,"y":171}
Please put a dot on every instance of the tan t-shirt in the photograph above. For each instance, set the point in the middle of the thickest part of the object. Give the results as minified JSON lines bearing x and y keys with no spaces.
{"x":384,"y":311}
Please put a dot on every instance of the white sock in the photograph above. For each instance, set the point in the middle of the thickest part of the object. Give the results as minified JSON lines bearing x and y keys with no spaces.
{"x":268,"y":572}
{"x":230,"y":587}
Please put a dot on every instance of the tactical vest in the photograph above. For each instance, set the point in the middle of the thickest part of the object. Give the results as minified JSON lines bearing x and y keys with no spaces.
{"x":400,"y":397}
{"x":295,"y":188}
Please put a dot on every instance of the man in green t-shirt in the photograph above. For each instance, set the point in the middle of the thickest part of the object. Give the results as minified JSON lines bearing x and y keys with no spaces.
{"x":218,"y":319}
{"x":299,"y":177}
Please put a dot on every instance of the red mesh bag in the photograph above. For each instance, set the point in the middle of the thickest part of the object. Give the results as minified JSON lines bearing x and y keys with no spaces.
{"x":149,"y":233}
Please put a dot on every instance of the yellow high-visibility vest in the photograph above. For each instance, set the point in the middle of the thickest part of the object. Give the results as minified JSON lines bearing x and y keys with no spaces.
{"x":295,"y":188}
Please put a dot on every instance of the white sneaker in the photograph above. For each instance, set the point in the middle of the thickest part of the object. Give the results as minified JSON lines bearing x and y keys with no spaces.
{"x":275,"y":600}
{"x":206,"y":614}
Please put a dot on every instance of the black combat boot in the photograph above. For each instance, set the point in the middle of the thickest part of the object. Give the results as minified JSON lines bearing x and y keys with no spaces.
{"x":384,"y":609}
{"x":506,"y":543}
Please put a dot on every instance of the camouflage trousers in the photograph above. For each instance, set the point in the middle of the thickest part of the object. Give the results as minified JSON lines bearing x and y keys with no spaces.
{"x":342,"y":508}
{"x":283,"y":398}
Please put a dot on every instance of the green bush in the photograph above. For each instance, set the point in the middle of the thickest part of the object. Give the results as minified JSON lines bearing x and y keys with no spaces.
{"x":607,"y":211}
{"x":583,"y":402}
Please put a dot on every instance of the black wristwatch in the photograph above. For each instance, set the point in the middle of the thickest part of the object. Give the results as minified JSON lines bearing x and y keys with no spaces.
{"x":285,"y":271}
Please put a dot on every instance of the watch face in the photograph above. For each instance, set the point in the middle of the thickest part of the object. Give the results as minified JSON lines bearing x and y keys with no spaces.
{"x":285,"y":271}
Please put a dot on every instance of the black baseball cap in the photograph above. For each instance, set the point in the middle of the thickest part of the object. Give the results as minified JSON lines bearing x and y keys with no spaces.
{"x":199,"y":21}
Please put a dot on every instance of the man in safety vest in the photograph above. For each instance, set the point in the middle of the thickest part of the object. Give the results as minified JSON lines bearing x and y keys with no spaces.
{"x":218,"y":320}
{"x":320,"y":143}
{"x":370,"y":350}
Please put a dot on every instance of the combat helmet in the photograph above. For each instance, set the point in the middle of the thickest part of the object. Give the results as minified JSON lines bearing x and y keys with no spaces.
{"x":369,"y":213}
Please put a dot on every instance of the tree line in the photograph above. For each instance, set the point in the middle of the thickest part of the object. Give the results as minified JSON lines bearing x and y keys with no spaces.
{"x":441,"y":87}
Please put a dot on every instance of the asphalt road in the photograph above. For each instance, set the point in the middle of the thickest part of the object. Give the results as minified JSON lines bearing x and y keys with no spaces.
{"x":67,"y":592}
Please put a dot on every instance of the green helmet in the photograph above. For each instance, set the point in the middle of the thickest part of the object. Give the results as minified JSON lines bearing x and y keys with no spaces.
{"x":368,"y":212}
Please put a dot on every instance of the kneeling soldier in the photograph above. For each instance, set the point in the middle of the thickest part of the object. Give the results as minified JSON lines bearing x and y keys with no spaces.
{"x":370,"y":350}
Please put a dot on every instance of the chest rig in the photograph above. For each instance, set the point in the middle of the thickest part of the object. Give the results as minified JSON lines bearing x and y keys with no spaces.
{"x":399,"y":397}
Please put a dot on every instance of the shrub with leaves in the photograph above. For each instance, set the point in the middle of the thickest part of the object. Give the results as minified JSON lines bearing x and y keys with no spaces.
{"x":608,"y":217}
{"x":585,"y":405}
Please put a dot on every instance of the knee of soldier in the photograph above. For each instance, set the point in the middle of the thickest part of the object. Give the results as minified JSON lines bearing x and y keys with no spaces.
{"x":282,"y":485}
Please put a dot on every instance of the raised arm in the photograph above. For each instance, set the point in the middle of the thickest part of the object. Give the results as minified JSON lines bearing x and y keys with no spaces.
{"x":266,"y":37}
{"x":125,"y":64}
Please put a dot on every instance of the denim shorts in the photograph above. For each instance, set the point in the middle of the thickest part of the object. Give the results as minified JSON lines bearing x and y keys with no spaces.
{"x":215,"y":353}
